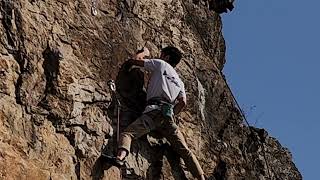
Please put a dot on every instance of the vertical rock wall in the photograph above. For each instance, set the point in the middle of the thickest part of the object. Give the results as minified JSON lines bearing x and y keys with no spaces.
{"x":55,"y":117}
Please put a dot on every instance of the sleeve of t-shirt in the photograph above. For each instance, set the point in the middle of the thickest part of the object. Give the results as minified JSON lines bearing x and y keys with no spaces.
{"x":152,"y":64}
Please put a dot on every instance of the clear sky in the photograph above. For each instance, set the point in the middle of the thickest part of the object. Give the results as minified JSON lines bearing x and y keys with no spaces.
{"x":273,"y":68}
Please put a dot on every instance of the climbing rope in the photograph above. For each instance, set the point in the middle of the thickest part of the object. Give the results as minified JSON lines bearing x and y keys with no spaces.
{"x":228,"y":87}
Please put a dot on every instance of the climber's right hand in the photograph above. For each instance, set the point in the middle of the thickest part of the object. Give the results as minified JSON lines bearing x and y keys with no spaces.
{"x":142,"y":53}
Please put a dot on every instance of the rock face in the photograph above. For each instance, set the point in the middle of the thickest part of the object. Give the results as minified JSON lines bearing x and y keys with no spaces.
{"x":55,"y":107}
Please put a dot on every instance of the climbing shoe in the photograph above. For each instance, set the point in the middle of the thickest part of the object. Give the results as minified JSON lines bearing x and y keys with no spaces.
{"x":113,"y":160}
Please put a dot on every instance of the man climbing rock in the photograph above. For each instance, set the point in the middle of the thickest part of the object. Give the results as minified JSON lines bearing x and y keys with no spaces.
{"x":165,"y":97}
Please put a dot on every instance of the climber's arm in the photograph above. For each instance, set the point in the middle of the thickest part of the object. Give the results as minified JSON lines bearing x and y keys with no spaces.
{"x":138,"y":59}
{"x":141,"y":54}
{"x":180,"y":105}
{"x":137,"y":62}
{"x":181,"y":100}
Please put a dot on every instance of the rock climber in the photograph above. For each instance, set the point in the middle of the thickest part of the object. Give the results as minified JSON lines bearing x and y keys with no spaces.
{"x":165,"y":98}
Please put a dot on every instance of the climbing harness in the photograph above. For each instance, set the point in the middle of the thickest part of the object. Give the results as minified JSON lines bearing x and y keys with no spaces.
{"x":112,"y":87}
{"x":229,"y":89}
{"x":166,"y":107}
{"x":94,"y":10}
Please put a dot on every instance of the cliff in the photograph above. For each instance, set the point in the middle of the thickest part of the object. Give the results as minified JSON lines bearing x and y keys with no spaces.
{"x":55,"y":105}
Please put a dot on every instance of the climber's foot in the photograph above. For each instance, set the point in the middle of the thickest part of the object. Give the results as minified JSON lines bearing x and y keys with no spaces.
{"x":122,"y":153}
{"x":113,"y":160}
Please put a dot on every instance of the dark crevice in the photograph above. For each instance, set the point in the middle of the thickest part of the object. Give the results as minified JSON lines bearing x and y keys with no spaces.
{"x":87,"y":90}
{"x":220,"y":171}
{"x":51,"y":66}
{"x":223,"y":129}
{"x":21,"y":58}
{"x":78,"y":169}
{"x":59,"y":127}
{"x":222,"y":98}
{"x":6,"y":9}
{"x":34,"y":137}
{"x":243,"y":151}
{"x":57,"y":121}
{"x":33,"y":1}
{"x":70,"y":137}
{"x":15,"y":42}
{"x":54,"y":119}
{"x":5,"y":93}
{"x":95,"y":102}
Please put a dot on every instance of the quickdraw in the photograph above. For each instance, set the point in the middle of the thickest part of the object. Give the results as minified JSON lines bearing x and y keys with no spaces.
{"x":112,"y":88}
{"x":94,"y":10}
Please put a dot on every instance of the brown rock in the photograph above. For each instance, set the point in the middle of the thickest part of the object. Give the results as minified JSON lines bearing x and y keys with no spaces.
{"x":55,"y":113}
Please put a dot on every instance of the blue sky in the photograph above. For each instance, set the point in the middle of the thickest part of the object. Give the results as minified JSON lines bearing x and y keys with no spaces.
{"x":273,"y":69}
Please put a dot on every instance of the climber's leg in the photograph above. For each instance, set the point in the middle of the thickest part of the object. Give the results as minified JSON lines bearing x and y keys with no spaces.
{"x":143,"y":125}
{"x":178,"y":143}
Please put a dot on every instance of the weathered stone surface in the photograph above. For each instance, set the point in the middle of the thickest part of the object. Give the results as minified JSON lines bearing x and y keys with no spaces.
{"x":55,"y":113}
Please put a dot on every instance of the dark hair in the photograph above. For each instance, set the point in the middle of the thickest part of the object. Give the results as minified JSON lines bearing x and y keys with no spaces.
{"x":174,"y":55}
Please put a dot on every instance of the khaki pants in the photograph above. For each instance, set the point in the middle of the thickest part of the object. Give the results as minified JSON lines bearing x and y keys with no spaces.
{"x":167,"y":128}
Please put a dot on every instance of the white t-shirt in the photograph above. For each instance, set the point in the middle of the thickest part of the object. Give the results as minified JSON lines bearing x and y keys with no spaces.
{"x":164,"y":81}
